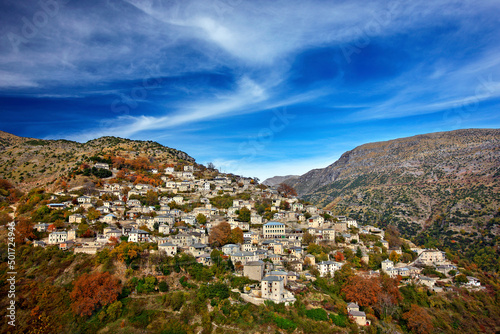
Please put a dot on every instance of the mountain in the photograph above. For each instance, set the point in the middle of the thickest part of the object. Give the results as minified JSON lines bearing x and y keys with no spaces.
{"x":274,"y":181}
{"x":31,"y":162}
{"x":411,"y":181}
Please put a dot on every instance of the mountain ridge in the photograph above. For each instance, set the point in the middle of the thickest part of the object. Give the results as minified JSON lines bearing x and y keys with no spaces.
{"x":32,"y":162}
{"x":275,"y":180}
{"x":412,"y":180}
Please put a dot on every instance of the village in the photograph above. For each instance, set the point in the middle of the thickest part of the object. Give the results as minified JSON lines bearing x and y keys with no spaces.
{"x":274,"y":248}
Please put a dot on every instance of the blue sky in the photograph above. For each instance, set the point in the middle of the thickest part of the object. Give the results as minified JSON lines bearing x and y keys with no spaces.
{"x":259,"y":88}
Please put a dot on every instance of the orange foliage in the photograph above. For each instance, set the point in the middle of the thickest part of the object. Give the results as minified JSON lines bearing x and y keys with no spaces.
{"x":122,"y":174}
{"x":24,"y":230}
{"x":92,"y":291}
{"x":113,"y":241}
{"x":364,"y":291}
{"x":220,"y":234}
{"x":140,"y":163}
{"x":339,"y":257}
{"x":117,"y":162}
{"x":147,"y":180}
{"x":418,"y":320}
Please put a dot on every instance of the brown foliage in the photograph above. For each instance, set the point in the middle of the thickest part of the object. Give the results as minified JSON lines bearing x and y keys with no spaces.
{"x":390,"y":296}
{"x":220,"y":234}
{"x":418,"y":320}
{"x":88,"y":234}
{"x":5,"y":184}
{"x":392,"y":236}
{"x":4,"y":218}
{"x":364,"y":291}
{"x":236,"y":236}
{"x":308,"y":238}
{"x":24,"y":230}
{"x":92,"y":291}
{"x":381,"y":293}
{"x":286,"y":190}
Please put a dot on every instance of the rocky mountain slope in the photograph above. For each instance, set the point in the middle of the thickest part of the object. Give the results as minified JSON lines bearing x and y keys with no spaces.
{"x":411,"y":181}
{"x":30,"y":162}
{"x":275,"y":180}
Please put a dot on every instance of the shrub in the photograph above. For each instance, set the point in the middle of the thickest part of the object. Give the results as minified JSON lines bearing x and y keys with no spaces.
{"x":285,"y":324}
{"x":339,"y":320}
{"x":163,"y":286}
{"x":317,"y":314}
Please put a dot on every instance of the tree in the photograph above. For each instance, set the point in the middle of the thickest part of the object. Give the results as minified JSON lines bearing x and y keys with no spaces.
{"x":236,"y":236}
{"x":392,"y":236}
{"x":339,"y":257}
{"x":163,"y":286}
{"x":24,"y":230}
{"x":93,"y":214}
{"x":88,"y":233}
{"x":394,"y":257}
{"x":216,"y":257}
{"x":364,"y":291}
{"x":201,"y":219}
{"x":244,"y":215}
{"x":230,"y":265}
{"x":151,"y":198}
{"x":460,"y":279}
{"x":308,"y":238}
{"x":418,"y":320}
{"x":390,"y":296}
{"x":286,"y":190}
{"x":92,"y":291}
{"x":220,"y":234}
{"x":126,"y":252}
{"x":114,"y":310}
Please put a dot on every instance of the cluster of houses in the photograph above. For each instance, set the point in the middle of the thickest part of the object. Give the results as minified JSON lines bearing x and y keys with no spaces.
{"x":271,"y":253}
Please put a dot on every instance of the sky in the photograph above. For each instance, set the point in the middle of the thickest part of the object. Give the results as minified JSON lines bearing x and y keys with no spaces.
{"x":259,"y":88}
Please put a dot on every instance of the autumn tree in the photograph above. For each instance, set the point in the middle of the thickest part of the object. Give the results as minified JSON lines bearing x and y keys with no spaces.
{"x":286,"y":190}
{"x":418,"y":320}
{"x":151,"y":198}
{"x":24,"y":230}
{"x":88,"y":233}
{"x":339,"y":257}
{"x":236,"y":236}
{"x":394,"y":257}
{"x":308,"y":238}
{"x":92,"y":291}
{"x":389,"y":297}
{"x":93,"y":214}
{"x":364,"y":291}
{"x":220,"y":234}
{"x":392,"y":237}
{"x":126,"y":252}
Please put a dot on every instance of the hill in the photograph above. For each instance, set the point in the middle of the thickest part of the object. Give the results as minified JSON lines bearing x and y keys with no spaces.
{"x":274,"y":181}
{"x":412,"y":181}
{"x":31,"y":162}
